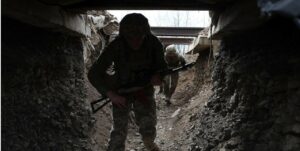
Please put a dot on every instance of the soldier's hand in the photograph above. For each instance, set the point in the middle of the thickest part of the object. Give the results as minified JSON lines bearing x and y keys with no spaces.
{"x":156,"y":80}
{"x":116,"y":99}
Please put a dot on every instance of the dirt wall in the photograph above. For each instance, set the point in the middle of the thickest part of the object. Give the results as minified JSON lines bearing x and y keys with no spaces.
{"x":43,"y":92}
{"x":255,"y":103}
{"x":104,"y":27}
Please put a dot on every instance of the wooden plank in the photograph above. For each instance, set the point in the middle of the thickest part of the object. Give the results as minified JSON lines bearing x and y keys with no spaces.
{"x":38,"y":14}
{"x":176,"y":31}
{"x":241,"y":16}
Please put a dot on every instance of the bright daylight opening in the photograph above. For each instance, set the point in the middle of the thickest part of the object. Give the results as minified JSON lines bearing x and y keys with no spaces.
{"x":172,"y":18}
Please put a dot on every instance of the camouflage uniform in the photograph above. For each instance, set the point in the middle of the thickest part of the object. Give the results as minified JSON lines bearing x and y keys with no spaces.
{"x":145,"y":118}
{"x":118,"y":65}
{"x":173,"y":60}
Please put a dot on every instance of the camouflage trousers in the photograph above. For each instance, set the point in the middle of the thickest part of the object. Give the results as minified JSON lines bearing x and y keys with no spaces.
{"x":170,"y":84}
{"x":144,"y":107}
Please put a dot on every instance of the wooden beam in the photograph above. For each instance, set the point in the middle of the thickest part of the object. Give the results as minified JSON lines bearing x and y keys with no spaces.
{"x":239,"y":17}
{"x":147,"y":5}
{"x":176,"y":31}
{"x":46,"y":16}
{"x":176,"y":40}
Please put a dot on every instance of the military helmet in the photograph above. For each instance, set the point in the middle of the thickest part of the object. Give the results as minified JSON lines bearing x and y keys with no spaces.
{"x":134,"y":24}
{"x":171,"y":49}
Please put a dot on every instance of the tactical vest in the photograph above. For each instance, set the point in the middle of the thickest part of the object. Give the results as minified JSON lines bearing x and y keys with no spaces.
{"x":133,"y":66}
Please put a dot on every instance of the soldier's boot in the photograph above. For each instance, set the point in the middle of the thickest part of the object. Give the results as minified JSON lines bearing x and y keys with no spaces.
{"x":168,"y":102}
{"x":160,"y":89}
{"x":150,"y":145}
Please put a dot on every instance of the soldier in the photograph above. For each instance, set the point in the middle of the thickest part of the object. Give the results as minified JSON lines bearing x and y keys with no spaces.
{"x":173,"y":59}
{"x":135,"y":50}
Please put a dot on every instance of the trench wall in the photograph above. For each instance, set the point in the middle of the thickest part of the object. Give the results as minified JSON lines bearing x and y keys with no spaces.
{"x":255,"y":103}
{"x":43,"y":92}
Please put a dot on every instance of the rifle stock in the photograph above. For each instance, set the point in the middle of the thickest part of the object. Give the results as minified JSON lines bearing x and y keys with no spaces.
{"x":162,"y":73}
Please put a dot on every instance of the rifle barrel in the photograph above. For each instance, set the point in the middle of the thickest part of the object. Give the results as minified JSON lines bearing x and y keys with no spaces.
{"x":169,"y":71}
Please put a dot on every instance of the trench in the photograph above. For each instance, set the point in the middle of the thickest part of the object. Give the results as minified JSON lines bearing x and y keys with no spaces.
{"x":247,"y":98}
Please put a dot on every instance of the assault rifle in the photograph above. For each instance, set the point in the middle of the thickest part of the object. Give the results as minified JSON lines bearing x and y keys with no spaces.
{"x":141,"y":85}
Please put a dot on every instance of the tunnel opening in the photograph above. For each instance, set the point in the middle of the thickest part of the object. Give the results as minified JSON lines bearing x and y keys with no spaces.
{"x":188,"y":85}
{"x":243,"y":95}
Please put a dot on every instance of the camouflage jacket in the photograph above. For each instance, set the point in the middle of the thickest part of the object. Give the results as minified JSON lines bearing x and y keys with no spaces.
{"x":118,"y":64}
